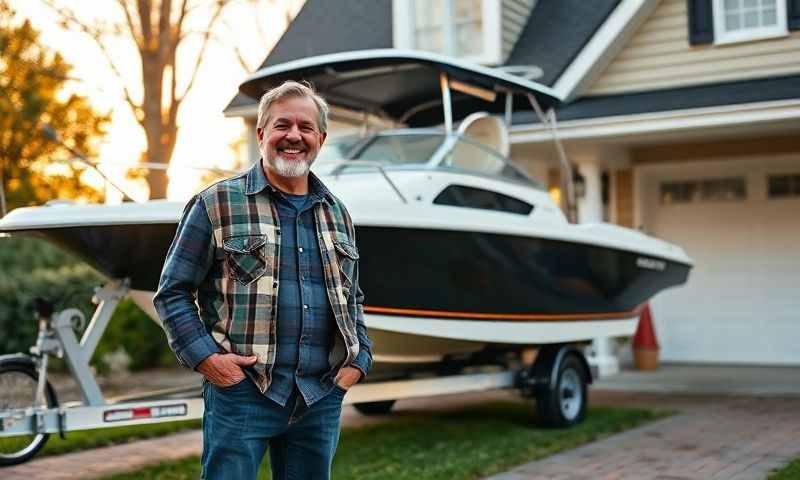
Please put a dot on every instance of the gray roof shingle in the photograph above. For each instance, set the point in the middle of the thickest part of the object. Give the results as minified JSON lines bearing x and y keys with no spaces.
{"x":556,"y":32}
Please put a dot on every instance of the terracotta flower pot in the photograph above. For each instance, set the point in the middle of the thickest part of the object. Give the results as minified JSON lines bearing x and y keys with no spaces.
{"x":645,"y":358}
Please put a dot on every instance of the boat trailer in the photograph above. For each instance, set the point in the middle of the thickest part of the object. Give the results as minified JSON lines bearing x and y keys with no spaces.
{"x":30,"y":411}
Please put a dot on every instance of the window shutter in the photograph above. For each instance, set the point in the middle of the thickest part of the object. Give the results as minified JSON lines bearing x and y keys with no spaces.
{"x":701,"y":21}
{"x":793,"y":14}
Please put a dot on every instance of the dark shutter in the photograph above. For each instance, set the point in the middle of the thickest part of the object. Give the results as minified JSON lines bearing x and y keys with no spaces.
{"x":701,"y":21}
{"x":793,"y":14}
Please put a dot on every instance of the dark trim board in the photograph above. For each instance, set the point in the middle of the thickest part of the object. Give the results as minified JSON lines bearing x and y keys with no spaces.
{"x":700,"y":96}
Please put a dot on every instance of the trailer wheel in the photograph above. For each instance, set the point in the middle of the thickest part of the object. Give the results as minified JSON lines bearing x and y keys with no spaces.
{"x":18,"y":382}
{"x":375,"y":408}
{"x":565,"y":404}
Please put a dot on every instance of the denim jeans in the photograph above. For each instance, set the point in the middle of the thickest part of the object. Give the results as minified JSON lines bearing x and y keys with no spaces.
{"x":240,"y":424}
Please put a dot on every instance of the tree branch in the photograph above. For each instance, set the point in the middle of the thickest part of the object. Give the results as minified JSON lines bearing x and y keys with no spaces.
{"x":177,"y":34}
{"x":240,"y":56}
{"x":69,"y":18}
{"x":220,"y":5}
{"x":144,"y":9}
{"x":131,"y":26}
{"x":164,"y":31}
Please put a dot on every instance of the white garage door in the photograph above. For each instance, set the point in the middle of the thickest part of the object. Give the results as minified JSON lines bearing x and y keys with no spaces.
{"x":742,"y":301}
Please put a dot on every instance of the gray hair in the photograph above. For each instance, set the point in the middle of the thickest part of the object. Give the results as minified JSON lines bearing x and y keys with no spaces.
{"x":289,"y":89}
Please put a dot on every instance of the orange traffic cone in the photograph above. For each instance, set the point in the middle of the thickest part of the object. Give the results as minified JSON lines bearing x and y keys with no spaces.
{"x":645,"y":344}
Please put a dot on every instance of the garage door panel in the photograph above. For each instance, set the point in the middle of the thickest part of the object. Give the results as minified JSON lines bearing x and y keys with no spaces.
{"x":742,"y":301}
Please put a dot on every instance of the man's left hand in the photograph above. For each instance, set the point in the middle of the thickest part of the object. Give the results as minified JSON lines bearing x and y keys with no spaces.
{"x":347,"y":377}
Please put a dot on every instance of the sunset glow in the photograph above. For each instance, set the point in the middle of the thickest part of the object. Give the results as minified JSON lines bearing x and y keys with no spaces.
{"x":206,"y":138}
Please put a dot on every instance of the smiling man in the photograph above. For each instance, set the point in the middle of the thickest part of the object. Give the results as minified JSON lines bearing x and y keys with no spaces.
{"x":260,"y":294}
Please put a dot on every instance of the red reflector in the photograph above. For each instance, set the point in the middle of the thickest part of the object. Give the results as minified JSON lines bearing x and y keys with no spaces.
{"x":141,"y":413}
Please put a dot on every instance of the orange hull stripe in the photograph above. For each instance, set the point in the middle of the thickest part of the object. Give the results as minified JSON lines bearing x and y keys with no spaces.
{"x":503,"y":316}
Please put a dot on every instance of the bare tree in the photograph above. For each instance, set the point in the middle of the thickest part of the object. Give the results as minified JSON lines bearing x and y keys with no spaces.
{"x":158,"y":28}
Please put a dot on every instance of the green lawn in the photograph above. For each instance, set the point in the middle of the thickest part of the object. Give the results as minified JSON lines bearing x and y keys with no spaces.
{"x":86,"y":439}
{"x":471,"y":442}
{"x":789,"y":472}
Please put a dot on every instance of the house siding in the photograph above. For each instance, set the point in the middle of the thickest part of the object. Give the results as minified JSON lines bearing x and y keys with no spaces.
{"x":659,"y":56}
{"x":515,"y":15}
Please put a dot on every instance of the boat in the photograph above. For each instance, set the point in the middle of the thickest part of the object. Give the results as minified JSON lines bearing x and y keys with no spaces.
{"x":461,"y":252}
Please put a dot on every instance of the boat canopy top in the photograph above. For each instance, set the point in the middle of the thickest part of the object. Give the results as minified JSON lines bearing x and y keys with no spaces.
{"x":405,"y":86}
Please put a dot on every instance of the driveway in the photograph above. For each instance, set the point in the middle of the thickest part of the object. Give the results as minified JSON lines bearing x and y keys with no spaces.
{"x":742,"y":434}
{"x":711,"y":437}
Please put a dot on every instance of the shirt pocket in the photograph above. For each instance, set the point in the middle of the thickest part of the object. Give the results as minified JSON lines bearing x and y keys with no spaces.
{"x":245,"y":257}
{"x":347,"y":254}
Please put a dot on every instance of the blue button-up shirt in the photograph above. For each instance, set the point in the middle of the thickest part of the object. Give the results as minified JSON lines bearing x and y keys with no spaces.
{"x":305,"y":321}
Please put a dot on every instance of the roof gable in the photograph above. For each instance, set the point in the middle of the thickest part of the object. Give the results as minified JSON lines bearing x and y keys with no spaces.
{"x":556,"y":32}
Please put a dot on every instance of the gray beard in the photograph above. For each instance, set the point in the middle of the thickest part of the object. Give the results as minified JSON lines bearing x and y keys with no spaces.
{"x":290,"y":169}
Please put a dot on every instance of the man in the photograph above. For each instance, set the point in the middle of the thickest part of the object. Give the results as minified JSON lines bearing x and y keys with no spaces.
{"x":260,"y":294}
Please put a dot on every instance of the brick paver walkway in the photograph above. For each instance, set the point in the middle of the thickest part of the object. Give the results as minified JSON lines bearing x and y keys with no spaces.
{"x":106,"y":461}
{"x":714,"y":438}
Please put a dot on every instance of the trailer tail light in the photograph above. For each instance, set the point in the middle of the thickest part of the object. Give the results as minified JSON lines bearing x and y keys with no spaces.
{"x":144,"y":413}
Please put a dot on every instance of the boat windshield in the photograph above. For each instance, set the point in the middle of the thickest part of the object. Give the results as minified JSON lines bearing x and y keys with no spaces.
{"x":422,"y":151}
{"x":387,"y":150}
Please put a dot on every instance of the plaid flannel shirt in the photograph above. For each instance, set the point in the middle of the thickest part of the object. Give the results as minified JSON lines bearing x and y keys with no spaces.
{"x":218,"y":288}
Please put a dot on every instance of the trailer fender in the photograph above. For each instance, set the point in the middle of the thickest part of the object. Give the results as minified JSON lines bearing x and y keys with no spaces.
{"x":543,"y":374}
{"x":19,"y":359}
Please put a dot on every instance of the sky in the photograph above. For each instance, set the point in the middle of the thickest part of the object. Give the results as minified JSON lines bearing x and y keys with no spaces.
{"x":206,"y":137}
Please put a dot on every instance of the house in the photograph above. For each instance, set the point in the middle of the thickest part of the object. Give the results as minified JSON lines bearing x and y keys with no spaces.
{"x":682,"y":117}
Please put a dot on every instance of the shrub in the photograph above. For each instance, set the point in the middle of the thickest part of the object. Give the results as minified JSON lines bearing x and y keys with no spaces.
{"x":67,"y":286}
{"x":31,"y":268}
{"x":138,"y":335}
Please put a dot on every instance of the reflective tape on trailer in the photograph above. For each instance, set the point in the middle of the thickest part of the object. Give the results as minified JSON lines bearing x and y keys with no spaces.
{"x":143,"y":413}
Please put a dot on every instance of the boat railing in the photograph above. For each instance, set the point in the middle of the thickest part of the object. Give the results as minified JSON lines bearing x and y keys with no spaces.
{"x":344,"y":164}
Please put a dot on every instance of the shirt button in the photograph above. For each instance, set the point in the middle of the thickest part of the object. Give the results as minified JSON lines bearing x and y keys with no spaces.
{"x":305,"y":307}
{"x":300,"y":249}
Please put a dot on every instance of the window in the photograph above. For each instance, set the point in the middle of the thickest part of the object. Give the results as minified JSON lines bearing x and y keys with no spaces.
{"x":469,"y":197}
{"x":448,"y":26}
{"x":742,"y":20}
{"x":783,"y":186}
{"x":711,"y":190}
{"x":467,"y":29}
